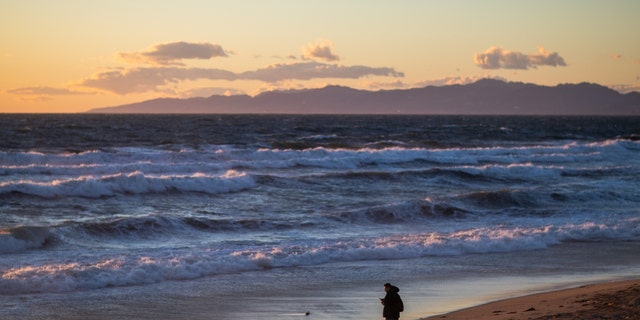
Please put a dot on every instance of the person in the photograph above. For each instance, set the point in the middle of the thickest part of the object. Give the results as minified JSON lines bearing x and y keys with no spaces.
{"x":392,"y":303}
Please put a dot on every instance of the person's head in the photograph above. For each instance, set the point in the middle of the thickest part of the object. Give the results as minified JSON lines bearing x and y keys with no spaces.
{"x":387,"y":286}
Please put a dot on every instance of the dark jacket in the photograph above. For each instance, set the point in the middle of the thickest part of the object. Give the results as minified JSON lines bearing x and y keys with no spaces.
{"x":392,"y":303}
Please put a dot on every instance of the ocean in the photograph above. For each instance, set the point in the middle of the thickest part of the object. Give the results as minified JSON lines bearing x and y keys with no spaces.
{"x":273,"y":216}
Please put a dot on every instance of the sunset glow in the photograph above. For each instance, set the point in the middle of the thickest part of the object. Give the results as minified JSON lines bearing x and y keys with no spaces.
{"x":71,"y":56}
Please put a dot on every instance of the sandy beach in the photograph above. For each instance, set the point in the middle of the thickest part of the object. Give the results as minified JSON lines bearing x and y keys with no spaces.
{"x":609,"y":300}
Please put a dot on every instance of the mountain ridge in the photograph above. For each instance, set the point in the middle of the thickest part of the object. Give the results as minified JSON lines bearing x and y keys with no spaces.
{"x":483,"y":97}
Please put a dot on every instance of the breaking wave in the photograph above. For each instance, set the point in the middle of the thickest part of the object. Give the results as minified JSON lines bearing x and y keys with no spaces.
{"x":136,"y":268}
{"x":95,"y":186}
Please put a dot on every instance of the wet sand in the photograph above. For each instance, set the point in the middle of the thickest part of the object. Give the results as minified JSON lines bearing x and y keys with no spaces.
{"x":609,"y":300}
{"x":430,"y":287}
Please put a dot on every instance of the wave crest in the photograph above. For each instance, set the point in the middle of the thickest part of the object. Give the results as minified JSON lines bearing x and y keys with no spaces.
{"x":96,"y":186}
{"x":22,"y":238}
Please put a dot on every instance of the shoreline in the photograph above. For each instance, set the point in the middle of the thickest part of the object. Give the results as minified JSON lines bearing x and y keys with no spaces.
{"x":432,"y":288}
{"x":603,"y":300}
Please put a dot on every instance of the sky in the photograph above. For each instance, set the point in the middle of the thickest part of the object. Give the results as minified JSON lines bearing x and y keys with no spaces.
{"x":70,"y":56}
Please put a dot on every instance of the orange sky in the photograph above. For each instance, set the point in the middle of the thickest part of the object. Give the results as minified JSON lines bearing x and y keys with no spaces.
{"x":71,"y":55}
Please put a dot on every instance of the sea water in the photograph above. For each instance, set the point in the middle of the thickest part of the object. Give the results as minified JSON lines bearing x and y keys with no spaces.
{"x":118,"y":212}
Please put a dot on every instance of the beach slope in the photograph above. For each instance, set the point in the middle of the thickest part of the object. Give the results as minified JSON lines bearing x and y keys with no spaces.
{"x":611,"y":300}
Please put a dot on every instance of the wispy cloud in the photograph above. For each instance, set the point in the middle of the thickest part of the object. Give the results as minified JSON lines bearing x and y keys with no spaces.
{"x":143,"y":79}
{"x":137,"y":80}
{"x":626,"y":88}
{"x":446,"y":81}
{"x":172,"y":53}
{"x":390,"y":85}
{"x":209,"y":91}
{"x":321,"y":50}
{"x":315,"y":70}
{"x":45,"y":91}
{"x":498,"y":58}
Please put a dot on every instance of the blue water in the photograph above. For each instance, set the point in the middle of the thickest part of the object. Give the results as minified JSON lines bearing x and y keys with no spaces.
{"x":89,"y":203}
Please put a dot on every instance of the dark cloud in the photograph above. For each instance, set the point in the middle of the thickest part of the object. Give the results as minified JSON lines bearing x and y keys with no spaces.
{"x":171,"y":53}
{"x":498,"y":58}
{"x":137,"y":80}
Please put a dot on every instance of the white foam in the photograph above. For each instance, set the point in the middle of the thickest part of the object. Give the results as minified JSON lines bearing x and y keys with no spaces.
{"x":224,"y":158}
{"x":22,"y":238}
{"x":150,"y":266}
{"x":109,"y":172}
{"x":93,"y":186}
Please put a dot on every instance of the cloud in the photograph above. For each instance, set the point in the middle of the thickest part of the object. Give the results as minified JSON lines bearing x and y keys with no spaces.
{"x":446,"y":81}
{"x":171,"y":53}
{"x":209,"y":91}
{"x":44,"y":91}
{"x":378,"y":85}
{"x":315,"y":70}
{"x":285,"y":85}
{"x":137,"y":80}
{"x":321,"y":50}
{"x":626,"y":88}
{"x":497,"y":58}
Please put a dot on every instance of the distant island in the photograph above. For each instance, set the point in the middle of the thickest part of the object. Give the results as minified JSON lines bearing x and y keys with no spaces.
{"x":484,"y":97}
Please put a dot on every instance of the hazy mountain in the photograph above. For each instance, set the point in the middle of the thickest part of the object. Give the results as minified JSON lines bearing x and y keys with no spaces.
{"x":482,"y":97}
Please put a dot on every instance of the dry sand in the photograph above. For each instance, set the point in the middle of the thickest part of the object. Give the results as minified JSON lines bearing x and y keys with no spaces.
{"x":611,"y":300}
